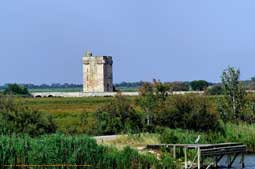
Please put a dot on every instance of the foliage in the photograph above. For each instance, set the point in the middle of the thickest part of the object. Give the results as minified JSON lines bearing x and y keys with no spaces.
{"x":199,"y":85}
{"x":18,"y":119}
{"x":152,"y":95}
{"x":251,"y":85}
{"x":178,"y":86}
{"x":160,"y":90}
{"x":215,"y":90}
{"x":242,"y":132}
{"x":79,"y":150}
{"x":118,"y":116}
{"x":147,"y":100}
{"x":168,"y":137}
{"x":129,"y":84}
{"x":234,"y":93}
{"x":189,"y":112}
{"x":15,"y":89}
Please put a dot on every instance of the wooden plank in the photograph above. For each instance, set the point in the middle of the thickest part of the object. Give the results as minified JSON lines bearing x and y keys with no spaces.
{"x":228,"y":147}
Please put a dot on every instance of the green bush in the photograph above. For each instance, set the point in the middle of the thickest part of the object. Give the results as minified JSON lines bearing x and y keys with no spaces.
{"x":199,"y":85}
{"x":189,"y":112}
{"x":215,"y":90}
{"x":17,"y":119}
{"x":117,"y":117}
{"x":168,"y":137}
{"x":178,"y":86}
{"x":15,"y":89}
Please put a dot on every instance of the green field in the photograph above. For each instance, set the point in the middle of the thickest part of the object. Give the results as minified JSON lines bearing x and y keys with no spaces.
{"x":66,"y":111}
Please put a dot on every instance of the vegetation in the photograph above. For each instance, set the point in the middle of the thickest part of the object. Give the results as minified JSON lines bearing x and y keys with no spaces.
{"x":215,"y":90}
{"x":179,"y":86}
{"x":199,"y":85}
{"x":79,"y":150}
{"x":15,"y":89}
{"x":117,"y":117}
{"x":189,"y":112}
{"x":234,"y":93}
{"x":171,"y":119}
{"x":17,"y":119}
{"x":241,"y":132}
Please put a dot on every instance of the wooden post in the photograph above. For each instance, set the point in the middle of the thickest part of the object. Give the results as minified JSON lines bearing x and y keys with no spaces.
{"x":216,"y":162}
{"x":242,"y":159}
{"x":198,"y":158}
{"x":186,"y":158}
{"x":229,"y":161}
{"x":174,"y":152}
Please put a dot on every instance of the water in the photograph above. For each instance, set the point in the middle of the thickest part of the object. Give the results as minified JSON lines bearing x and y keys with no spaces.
{"x":249,"y":162}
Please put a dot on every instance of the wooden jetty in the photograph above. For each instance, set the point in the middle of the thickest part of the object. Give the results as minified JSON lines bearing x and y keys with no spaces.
{"x":203,"y":151}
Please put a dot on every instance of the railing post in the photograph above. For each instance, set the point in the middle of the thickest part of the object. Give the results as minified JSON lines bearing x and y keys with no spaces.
{"x":174,"y":151}
{"x":186,"y":158}
{"x":229,"y":161}
{"x":198,"y":158}
{"x":242,"y":158}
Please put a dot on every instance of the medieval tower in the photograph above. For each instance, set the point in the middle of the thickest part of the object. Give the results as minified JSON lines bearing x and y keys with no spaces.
{"x":97,"y":73}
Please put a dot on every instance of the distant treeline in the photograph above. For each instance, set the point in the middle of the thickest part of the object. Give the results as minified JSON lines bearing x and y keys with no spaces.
{"x":47,"y":86}
{"x":198,"y":85}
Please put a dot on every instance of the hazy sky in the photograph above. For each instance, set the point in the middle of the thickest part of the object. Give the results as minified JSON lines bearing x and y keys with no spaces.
{"x":42,"y":41}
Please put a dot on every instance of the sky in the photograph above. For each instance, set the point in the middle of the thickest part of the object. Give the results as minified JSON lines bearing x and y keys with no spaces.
{"x":43,"y":41}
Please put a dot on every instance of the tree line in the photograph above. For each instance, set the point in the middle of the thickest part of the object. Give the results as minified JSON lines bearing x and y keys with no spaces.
{"x":154,"y":109}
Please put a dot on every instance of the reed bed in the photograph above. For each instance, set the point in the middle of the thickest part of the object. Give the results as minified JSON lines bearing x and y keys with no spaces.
{"x":60,"y":151}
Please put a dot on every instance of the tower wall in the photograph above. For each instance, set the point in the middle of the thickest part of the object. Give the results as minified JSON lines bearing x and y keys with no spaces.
{"x":97,"y":73}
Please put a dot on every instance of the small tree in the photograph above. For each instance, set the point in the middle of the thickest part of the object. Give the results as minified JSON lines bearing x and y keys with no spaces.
{"x":178,"y":86}
{"x":147,"y":100}
{"x":215,"y":90}
{"x":15,"y":89}
{"x":199,"y":85}
{"x":152,"y":96}
{"x":161,"y":89}
{"x":234,"y":92}
{"x":17,"y":119}
{"x":251,"y":85}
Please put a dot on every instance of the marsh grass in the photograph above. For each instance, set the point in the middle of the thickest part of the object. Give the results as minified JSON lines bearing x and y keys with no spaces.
{"x":134,"y":140}
{"x":75,"y":150}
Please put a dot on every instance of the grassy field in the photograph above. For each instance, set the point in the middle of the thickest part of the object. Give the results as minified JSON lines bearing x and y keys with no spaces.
{"x":66,"y":111}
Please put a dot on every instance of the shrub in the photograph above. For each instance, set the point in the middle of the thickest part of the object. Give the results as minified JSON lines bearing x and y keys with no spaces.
{"x":215,"y":90}
{"x":118,"y":116}
{"x":199,"y":85}
{"x":21,"y":120}
{"x":168,"y":137}
{"x":189,"y":112}
{"x":15,"y":89}
{"x":178,"y":86}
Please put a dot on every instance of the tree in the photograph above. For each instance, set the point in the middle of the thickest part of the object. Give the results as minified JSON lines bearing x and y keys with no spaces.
{"x":161,"y":90}
{"x":118,"y":116}
{"x":215,"y":90}
{"x":147,"y":100}
{"x":178,"y":86}
{"x":199,"y":85}
{"x":17,"y":119}
{"x":234,"y":92}
{"x":15,"y":89}
{"x":152,"y":96}
{"x":251,"y":85}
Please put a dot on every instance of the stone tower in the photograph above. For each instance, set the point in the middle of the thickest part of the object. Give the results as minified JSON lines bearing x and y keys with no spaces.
{"x":97,"y":73}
